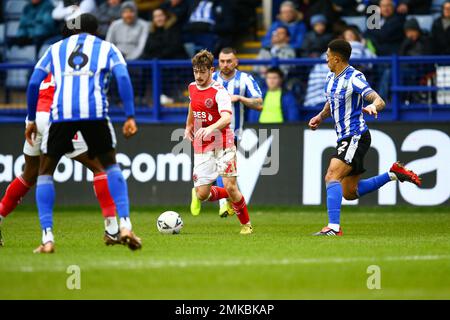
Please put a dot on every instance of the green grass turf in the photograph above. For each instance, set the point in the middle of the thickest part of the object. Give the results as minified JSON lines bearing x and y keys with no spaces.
{"x":210,"y":260}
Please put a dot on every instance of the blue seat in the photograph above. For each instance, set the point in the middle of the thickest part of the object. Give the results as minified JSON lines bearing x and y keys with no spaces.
{"x":360,"y":22}
{"x":436,"y":5}
{"x":11,"y":28}
{"x":425,"y":21}
{"x":18,"y":78}
{"x":24,"y":54}
{"x":2,"y":33}
{"x":13,"y":8}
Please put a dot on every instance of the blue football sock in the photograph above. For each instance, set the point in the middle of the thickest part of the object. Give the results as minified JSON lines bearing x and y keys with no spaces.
{"x":372,"y":184}
{"x":219,"y":182}
{"x":45,"y":199}
{"x":119,"y":190}
{"x":334,"y":200}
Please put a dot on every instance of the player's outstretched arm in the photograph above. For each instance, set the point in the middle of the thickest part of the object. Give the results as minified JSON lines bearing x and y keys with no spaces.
{"x":315,"y":122}
{"x":32,"y":99}
{"x":376,"y":104}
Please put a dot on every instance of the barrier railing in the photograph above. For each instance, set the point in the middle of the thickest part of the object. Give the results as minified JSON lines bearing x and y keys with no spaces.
{"x":415,"y":88}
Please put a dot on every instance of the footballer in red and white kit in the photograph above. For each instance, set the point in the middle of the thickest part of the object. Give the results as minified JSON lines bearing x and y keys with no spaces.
{"x":46,"y":93}
{"x":208,"y":127}
{"x":20,"y":186}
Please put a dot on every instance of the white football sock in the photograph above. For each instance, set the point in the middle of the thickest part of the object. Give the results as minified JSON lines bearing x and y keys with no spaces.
{"x":47,"y":236}
{"x":334,"y":226}
{"x":111,"y":225}
{"x":393,"y":176}
{"x":125,"y":223}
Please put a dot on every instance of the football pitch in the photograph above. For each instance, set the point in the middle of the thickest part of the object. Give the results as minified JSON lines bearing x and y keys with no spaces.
{"x":409,"y":247}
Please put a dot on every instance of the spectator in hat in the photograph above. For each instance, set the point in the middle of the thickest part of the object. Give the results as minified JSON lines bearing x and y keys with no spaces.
{"x":290,"y":18}
{"x":415,"y":43}
{"x":129,"y":33}
{"x":316,"y":40}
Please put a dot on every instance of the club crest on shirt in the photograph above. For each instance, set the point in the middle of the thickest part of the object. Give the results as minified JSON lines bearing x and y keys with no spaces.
{"x":209,"y":103}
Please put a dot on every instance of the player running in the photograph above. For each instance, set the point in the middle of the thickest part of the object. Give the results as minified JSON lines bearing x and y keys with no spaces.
{"x":244,"y":92}
{"x":80,"y":65}
{"x":208,"y":127}
{"x":20,"y":186}
{"x":346,"y":90}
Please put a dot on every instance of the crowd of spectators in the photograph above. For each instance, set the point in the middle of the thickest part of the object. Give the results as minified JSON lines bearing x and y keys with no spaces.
{"x":142,"y":28}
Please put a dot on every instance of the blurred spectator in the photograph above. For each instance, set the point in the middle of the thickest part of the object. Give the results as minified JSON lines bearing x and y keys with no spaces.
{"x":279,"y":104}
{"x":129,"y":33}
{"x":440,"y":32}
{"x":210,"y":24}
{"x":180,"y":8}
{"x":316,"y":40}
{"x":107,"y":12}
{"x":325,"y":7}
{"x":164,"y":40}
{"x":358,"y":43}
{"x":280,"y":48}
{"x":36,"y":24}
{"x":289,"y":17}
{"x":415,"y":43}
{"x":414,"y":6}
{"x":388,"y":38}
{"x":70,"y":9}
{"x":346,"y":7}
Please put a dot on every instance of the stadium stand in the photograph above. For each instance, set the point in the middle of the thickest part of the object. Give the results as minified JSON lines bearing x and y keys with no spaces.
{"x":156,"y":80}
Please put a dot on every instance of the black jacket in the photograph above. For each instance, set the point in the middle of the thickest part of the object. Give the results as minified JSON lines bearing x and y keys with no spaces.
{"x":440,"y":38}
{"x":388,"y":38}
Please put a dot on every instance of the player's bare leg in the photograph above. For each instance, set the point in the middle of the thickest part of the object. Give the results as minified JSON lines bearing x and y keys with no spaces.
{"x":119,"y":192}
{"x":238,"y":203}
{"x":350,"y":187}
{"x":111,"y":235}
{"x":45,"y":199}
{"x":18,"y":188}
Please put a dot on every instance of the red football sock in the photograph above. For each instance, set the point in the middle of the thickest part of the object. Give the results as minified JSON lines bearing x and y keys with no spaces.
{"x":103,"y":196}
{"x":16,"y":190}
{"x":217,"y":193}
{"x":241,"y":210}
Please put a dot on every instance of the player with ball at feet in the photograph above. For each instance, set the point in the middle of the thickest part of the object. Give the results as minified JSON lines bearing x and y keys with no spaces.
{"x":208,"y":127}
{"x":346,"y":90}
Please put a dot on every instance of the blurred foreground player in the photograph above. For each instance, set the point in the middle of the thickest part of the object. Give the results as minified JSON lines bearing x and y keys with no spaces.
{"x":20,"y":186}
{"x":345,"y":91}
{"x":80,"y":64}
{"x":208,"y":127}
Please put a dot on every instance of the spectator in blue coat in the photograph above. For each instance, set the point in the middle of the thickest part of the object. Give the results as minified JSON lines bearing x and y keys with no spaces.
{"x":279,"y":104}
{"x":36,"y":23}
{"x":289,"y":17}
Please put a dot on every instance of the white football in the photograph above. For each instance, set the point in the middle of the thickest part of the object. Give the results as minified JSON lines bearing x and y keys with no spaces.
{"x":169,"y":222}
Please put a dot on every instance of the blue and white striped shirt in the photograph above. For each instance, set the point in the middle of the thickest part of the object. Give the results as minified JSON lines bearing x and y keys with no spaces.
{"x":242,"y":84}
{"x":203,"y":13}
{"x":81,"y":66}
{"x":345,"y":94}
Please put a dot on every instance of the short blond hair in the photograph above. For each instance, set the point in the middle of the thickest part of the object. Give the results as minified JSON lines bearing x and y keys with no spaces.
{"x":203,"y":59}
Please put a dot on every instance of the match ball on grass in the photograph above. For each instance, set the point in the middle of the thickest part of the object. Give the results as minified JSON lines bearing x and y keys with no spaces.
{"x":169,"y":222}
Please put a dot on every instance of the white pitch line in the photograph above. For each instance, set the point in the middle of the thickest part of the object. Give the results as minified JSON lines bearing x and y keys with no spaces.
{"x":160,"y":264}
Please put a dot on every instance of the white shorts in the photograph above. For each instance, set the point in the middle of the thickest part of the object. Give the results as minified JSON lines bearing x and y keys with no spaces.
{"x":42,"y":124}
{"x":212,"y":164}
